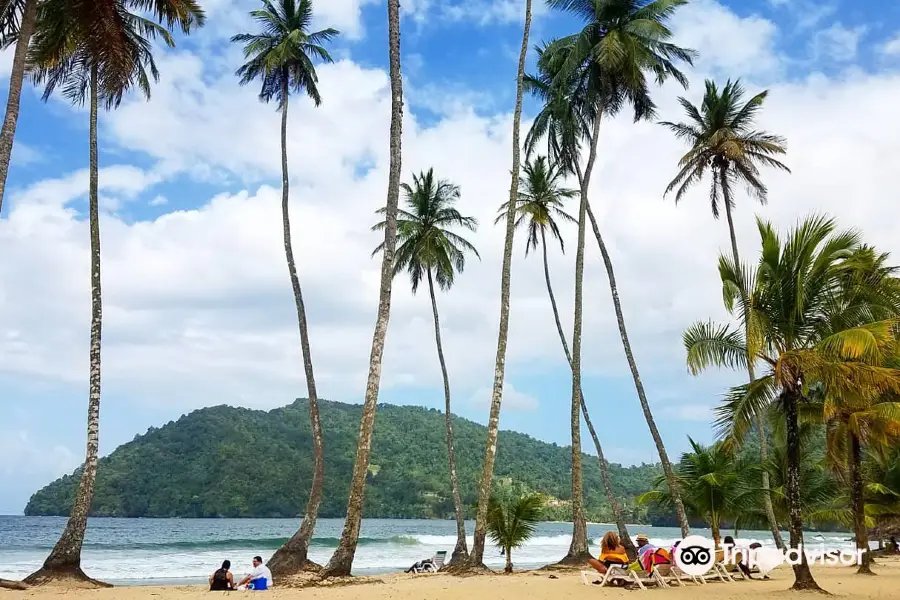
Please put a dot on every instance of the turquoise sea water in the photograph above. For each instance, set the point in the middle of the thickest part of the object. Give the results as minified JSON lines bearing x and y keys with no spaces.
{"x":169,"y":551}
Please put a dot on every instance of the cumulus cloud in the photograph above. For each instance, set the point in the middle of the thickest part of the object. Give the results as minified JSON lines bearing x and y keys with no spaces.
{"x":513,"y":399}
{"x":197,"y":306}
{"x":837,"y":42}
{"x":892,"y":46}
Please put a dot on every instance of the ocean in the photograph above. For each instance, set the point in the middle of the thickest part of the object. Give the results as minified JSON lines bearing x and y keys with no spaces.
{"x":186,"y":551}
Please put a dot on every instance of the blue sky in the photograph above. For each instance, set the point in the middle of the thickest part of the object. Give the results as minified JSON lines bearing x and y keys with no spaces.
{"x":198,"y":309}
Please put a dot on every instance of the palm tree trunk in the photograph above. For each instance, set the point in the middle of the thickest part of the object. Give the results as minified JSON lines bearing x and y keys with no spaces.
{"x":64,"y":561}
{"x":716,"y":530}
{"x":858,"y":506}
{"x":509,"y":565}
{"x":476,"y":558}
{"x":639,"y":386}
{"x":760,"y":425}
{"x":342,"y":559}
{"x":292,"y":557}
{"x":803,"y":579}
{"x":604,"y":466}
{"x":461,"y":551}
{"x":578,"y":549}
{"x":16,"y":77}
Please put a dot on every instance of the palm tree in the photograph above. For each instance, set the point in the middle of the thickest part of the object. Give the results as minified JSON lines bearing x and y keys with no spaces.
{"x":490,"y":447}
{"x":513,"y":522}
{"x":427,"y":248}
{"x":342,"y":559}
{"x":563,"y":123}
{"x":66,"y":52}
{"x":18,"y":30}
{"x":606,"y":65}
{"x":282,"y":59}
{"x":854,"y":424}
{"x":724,"y":139}
{"x":712,"y":481}
{"x":803,"y":334}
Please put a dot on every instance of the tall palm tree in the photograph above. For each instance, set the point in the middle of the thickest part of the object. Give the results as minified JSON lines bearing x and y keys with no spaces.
{"x":427,"y":248}
{"x":607,"y":65}
{"x":476,"y":558}
{"x":67,"y":53}
{"x":803,"y":334}
{"x":724,"y":139}
{"x":17,"y":22}
{"x":541,"y":198}
{"x":342,"y":559}
{"x":281,"y":57}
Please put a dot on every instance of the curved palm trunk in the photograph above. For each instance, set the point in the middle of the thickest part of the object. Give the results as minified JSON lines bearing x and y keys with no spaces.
{"x":342,"y":559}
{"x":639,"y":386}
{"x":490,"y":448}
{"x":760,"y":425}
{"x":604,"y":467}
{"x":292,"y":557}
{"x":858,"y":506}
{"x":461,"y":551}
{"x":578,"y":549}
{"x":16,"y":77}
{"x":64,"y":561}
{"x":803,"y":579}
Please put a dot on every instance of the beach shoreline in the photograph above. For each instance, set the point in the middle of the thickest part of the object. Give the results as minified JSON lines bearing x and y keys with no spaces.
{"x":536,"y":585}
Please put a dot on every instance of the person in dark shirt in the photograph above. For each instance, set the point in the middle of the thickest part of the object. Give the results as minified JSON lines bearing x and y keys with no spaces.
{"x":222,"y":580}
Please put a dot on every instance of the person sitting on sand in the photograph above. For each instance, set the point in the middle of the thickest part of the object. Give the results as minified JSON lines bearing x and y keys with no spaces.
{"x":222,"y":580}
{"x":611,"y":553}
{"x":737,"y":558}
{"x":260,"y":578}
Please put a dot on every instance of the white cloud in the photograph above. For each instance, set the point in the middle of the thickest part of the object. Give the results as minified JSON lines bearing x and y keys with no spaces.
{"x":197,"y":306}
{"x":806,"y":13}
{"x":485,"y":12}
{"x":728,"y":44}
{"x":892,"y":46}
{"x":513,"y":399}
{"x":159,"y":200}
{"x":837,"y":42}
{"x":19,"y":454}
{"x":690,"y":412}
{"x":24,"y":155}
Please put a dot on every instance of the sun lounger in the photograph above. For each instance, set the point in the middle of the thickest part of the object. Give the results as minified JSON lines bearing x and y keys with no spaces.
{"x":673,"y":573}
{"x":617,"y":573}
{"x":429,"y":565}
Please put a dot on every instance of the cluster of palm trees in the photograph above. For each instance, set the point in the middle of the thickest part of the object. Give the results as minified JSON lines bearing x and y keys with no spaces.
{"x":819,"y":309}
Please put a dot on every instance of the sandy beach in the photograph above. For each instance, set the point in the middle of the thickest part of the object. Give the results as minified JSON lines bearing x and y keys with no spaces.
{"x":534,"y":585}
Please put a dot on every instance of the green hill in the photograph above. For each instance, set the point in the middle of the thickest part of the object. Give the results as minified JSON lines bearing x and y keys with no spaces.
{"x":235,"y":462}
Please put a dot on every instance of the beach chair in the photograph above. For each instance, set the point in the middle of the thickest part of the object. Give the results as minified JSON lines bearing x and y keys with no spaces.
{"x":622,"y":573}
{"x":435,"y":564}
{"x":673,"y":573}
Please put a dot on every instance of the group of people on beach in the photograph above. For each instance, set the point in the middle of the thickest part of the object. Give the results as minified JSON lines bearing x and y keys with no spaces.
{"x":260,"y":578}
{"x":613,"y":553}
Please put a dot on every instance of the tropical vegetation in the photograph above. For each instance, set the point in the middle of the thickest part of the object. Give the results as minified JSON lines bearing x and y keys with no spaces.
{"x":172,"y":471}
{"x":427,"y":248}
{"x":511,"y":521}
{"x":281,"y":59}
{"x":95,"y":55}
{"x":811,"y":438}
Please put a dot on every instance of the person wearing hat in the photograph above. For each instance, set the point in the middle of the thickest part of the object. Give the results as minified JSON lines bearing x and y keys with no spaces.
{"x":643,"y":545}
